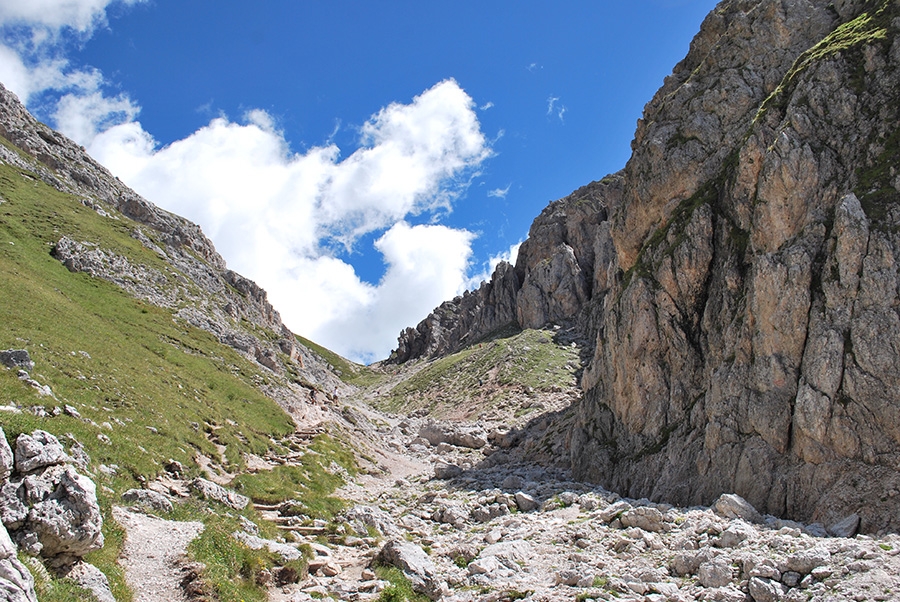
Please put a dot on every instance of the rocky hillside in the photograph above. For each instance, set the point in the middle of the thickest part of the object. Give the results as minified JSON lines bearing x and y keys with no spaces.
{"x":737,"y":279}
{"x":134,"y":363}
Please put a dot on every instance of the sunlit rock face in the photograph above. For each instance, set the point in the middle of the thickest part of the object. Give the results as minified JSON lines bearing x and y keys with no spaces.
{"x":738,"y":277}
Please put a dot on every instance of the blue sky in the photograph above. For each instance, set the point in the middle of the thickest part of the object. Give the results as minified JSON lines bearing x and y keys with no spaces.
{"x":362,"y":161}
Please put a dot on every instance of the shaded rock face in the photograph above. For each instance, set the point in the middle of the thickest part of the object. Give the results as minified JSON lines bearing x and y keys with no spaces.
{"x":551,"y":281}
{"x":738,"y":277}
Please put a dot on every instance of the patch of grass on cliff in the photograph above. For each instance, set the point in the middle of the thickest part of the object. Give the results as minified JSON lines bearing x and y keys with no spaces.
{"x":868,"y":28}
{"x":676,"y":224}
{"x":875,"y":188}
{"x":527,"y":359}
{"x":311,"y":482}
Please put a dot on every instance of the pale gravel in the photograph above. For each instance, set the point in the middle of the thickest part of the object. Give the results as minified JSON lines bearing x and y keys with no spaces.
{"x":154,"y":554}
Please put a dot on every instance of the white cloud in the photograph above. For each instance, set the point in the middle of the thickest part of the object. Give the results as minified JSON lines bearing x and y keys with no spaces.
{"x":509,"y":256}
{"x":552,"y":108}
{"x":486,"y":106}
{"x":550,"y":103}
{"x":32,"y":61}
{"x":279,"y":217}
{"x":53,"y":15}
{"x":276,"y":216}
{"x":427,"y":265}
{"x":499,"y":193}
{"x":82,"y":116}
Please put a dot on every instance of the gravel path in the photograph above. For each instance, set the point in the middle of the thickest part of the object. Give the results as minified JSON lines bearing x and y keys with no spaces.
{"x":153,"y":555}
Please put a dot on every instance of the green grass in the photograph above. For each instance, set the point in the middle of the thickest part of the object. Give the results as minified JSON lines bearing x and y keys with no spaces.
{"x":125,"y":365}
{"x":869,"y":27}
{"x":112,"y":356}
{"x":512,"y":358}
{"x":232,"y":569}
{"x":311,"y":483}
{"x":400,"y":589}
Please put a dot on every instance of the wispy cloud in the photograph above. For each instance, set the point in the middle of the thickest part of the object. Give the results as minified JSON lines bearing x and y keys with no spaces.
{"x":499,"y":193}
{"x":486,"y":106}
{"x":556,"y":109}
{"x":551,"y":102}
{"x":534,"y":67}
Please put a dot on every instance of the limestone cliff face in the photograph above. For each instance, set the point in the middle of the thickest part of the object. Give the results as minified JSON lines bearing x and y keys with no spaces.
{"x":739,"y":275}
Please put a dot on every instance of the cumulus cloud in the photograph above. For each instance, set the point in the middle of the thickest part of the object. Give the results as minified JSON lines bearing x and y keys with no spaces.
{"x":51,"y":16}
{"x":283,"y":219}
{"x":82,"y":116}
{"x":427,"y":264}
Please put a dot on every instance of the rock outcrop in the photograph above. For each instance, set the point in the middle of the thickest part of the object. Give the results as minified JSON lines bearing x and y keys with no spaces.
{"x":48,"y":508}
{"x":738,"y":277}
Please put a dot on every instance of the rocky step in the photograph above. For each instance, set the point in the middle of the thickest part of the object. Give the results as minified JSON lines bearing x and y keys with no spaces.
{"x":302,"y":530}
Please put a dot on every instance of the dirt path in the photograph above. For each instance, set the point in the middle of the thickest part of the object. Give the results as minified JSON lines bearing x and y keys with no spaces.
{"x":153,"y":555}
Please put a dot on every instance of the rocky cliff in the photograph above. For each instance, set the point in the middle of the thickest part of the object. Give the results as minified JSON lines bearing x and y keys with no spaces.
{"x":738,"y":277}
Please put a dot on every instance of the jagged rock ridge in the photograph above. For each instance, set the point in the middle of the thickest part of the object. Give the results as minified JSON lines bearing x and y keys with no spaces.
{"x":738,"y":276}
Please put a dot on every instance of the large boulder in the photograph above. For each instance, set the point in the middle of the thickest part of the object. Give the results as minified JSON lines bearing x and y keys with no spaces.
{"x":67,"y":521}
{"x":363,"y":518}
{"x":454,"y":434}
{"x":48,"y":508}
{"x":212,"y":491}
{"x":16,"y":358}
{"x":16,"y":582}
{"x":147,"y":498}
{"x":38,"y":450}
{"x":415,"y":564}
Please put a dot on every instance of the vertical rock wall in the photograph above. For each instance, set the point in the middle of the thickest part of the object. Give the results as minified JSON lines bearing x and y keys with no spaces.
{"x":738,"y":277}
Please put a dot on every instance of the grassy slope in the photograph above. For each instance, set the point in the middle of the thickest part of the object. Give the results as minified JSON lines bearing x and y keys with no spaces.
{"x":156,"y":387}
{"x":349,"y":372}
{"x":485,"y":374}
{"x":117,"y":360}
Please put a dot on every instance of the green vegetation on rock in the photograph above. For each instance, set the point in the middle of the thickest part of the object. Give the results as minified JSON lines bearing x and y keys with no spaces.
{"x":481,"y":375}
{"x":311,"y":482}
